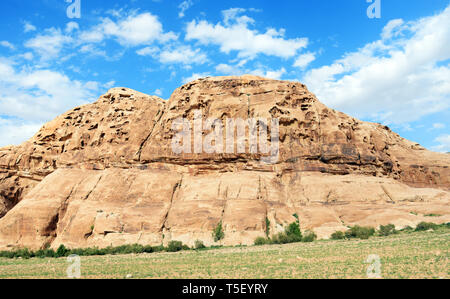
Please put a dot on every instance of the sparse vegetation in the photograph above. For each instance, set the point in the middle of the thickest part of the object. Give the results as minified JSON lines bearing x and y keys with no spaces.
{"x":339,"y":235}
{"x":423,"y":226}
{"x":262,"y":241}
{"x":432,"y":215}
{"x":174,"y":246}
{"x":292,"y":234}
{"x":309,"y":236}
{"x":199,"y":245}
{"x":387,"y":230}
{"x":403,"y":255}
{"x":218,"y":233}
{"x":360,"y":232}
{"x":267,"y":227}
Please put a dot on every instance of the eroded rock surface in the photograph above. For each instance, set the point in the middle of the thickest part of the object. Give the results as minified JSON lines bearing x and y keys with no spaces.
{"x":105,"y":173}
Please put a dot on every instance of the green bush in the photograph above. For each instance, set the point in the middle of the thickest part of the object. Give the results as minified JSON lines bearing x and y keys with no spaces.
{"x":407,"y":229}
{"x":174,"y":246}
{"x":338,"y":235}
{"x":309,"y":236}
{"x":423,"y":226}
{"x":387,"y":230}
{"x":360,"y":232}
{"x":199,"y":245}
{"x":267,"y":227}
{"x":262,"y":241}
{"x":61,"y":251}
{"x":218,"y":233}
{"x":293,"y":232}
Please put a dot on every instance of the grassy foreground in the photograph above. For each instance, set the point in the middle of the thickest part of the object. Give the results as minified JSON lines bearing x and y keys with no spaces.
{"x":413,"y":255}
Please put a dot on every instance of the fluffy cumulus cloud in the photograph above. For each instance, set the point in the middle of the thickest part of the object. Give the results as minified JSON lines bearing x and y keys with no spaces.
{"x":184,"y":55}
{"x":304,"y":60}
{"x":399,"y":78}
{"x":235,"y":34}
{"x":49,"y":44}
{"x":29,"y":98}
{"x":134,"y":30}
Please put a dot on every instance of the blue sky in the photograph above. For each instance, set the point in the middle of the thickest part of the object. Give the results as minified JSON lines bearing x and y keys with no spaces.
{"x":394,"y":70}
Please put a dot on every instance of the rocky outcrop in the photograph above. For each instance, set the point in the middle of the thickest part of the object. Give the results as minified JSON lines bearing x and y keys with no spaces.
{"x":105,"y":173}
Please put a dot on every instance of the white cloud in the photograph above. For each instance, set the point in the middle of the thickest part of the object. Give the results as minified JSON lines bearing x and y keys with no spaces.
{"x":134,"y":30}
{"x":147,"y":51}
{"x":237,"y":70}
{"x":444,"y":144}
{"x":28,"y":27}
{"x":71,"y":26}
{"x":15,"y":132}
{"x":393,"y":28}
{"x":49,"y":44}
{"x":184,"y":6}
{"x":32,"y":97}
{"x":304,"y":60}
{"x":195,"y":76}
{"x":158,"y":92}
{"x":183,"y":54}
{"x":235,"y":35}
{"x":7,"y":44}
{"x":438,"y":126}
{"x":394,"y":80}
{"x":109,"y":85}
{"x":270,"y":74}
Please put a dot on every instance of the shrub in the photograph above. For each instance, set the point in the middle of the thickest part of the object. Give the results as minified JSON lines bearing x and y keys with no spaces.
{"x":360,"y":232}
{"x":293,"y":232}
{"x":23,"y":253}
{"x":174,"y":246}
{"x":423,"y":226}
{"x":218,"y":233}
{"x":158,"y":248}
{"x":148,"y":249}
{"x":309,"y":236}
{"x":61,"y":251}
{"x":199,"y":245}
{"x":386,"y":230}
{"x":261,"y":241}
{"x":339,"y":235}
{"x":407,"y":229}
{"x":267,"y":227}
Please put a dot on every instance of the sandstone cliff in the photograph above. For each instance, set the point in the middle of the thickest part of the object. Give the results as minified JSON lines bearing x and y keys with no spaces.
{"x":105,"y":173}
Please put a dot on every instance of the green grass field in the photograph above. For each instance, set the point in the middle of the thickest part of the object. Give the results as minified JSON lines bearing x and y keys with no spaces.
{"x":413,"y":255}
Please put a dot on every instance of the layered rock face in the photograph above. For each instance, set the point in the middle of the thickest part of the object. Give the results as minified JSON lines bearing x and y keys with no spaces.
{"x":106,"y":174}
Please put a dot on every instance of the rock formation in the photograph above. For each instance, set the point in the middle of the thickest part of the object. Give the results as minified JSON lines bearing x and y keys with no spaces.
{"x":105,"y":174}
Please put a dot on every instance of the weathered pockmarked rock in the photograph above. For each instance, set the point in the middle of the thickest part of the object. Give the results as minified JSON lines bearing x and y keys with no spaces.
{"x":105,"y":173}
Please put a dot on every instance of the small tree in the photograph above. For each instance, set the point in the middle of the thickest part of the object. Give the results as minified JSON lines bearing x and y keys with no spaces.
{"x":218,"y":233}
{"x":61,"y":251}
{"x":267,"y":227}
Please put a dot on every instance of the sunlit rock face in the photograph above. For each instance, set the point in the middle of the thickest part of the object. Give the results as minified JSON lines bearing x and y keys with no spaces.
{"x":106,"y":173}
